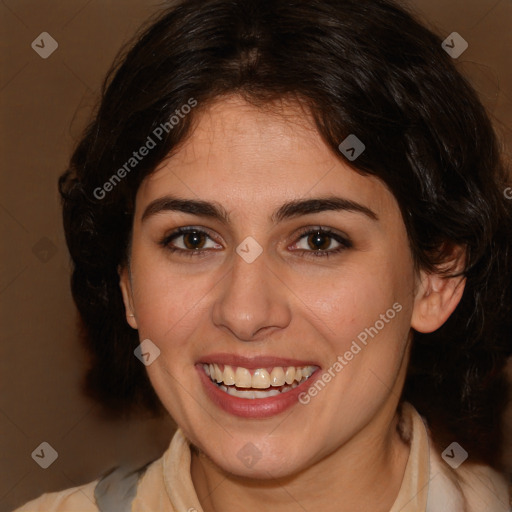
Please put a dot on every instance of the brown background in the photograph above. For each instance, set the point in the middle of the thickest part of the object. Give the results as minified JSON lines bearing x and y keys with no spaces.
{"x":44,"y":104}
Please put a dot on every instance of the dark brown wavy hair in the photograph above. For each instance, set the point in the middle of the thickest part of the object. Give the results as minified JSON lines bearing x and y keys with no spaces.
{"x":359,"y":67}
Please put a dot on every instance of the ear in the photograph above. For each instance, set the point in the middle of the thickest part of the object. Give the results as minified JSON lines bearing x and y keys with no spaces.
{"x":437,"y":295}
{"x":126,"y":290}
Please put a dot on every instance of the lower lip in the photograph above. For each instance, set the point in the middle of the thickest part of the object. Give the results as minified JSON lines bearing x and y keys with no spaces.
{"x":252,"y":407}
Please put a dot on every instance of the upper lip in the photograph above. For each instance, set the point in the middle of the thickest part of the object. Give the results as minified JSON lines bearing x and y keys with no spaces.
{"x":255,"y":362}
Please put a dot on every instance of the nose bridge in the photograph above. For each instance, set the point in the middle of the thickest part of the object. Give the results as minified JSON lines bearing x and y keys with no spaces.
{"x":251,"y":299}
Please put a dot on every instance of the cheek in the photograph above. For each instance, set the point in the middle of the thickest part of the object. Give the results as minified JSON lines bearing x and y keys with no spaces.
{"x":364,"y":320}
{"x":167,"y":304}
{"x":345,"y":303}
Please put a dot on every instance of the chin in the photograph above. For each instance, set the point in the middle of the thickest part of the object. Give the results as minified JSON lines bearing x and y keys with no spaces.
{"x":247,"y":458}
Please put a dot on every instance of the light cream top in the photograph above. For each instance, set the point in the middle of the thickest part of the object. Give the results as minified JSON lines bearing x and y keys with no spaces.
{"x":429,"y":483}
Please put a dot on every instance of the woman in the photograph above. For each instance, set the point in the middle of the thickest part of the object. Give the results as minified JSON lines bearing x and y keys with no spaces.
{"x":289,"y":232}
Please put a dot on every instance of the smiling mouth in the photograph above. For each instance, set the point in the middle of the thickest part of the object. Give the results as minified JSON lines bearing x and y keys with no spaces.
{"x":260,"y":383}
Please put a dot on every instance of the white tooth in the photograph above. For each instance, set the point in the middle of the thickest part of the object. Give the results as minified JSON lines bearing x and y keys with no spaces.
{"x":277,"y":376}
{"x":212,"y":371}
{"x":294,"y":384}
{"x":298,"y":374}
{"x":229,"y":375}
{"x":218,"y":373}
{"x":308,"y":371}
{"x":266,"y":394}
{"x":243,"y":378}
{"x":206,"y":369}
{"x":260,"y":379}
{"x":250,"y":394}
{"x":285,"y":389}
{"x":289,"y":375}
{"x":244,"y":394}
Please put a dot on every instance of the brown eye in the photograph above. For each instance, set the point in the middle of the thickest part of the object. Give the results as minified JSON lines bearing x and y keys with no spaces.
{"x":189,"y":241}
{"x":194,"y":240}
{"x":319,"y":241}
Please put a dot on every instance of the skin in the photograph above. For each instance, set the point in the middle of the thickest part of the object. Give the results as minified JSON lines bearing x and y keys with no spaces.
{"x":341,"y":451}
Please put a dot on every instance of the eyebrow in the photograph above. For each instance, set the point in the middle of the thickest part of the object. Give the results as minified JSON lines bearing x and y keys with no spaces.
{"x":289,"y":210}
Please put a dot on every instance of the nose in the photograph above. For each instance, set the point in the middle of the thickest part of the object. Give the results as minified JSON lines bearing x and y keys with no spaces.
{"x":253,"y":300}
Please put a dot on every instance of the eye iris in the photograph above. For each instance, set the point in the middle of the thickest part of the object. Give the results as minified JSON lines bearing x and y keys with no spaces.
{"x":319,"y":241}
{"x":193,"y":239}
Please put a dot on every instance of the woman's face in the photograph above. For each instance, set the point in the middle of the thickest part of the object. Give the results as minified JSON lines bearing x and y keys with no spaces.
{"x":252,"y":290}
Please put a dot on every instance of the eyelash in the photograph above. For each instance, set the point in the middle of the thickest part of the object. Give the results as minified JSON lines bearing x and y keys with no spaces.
{"x":345,"y":243}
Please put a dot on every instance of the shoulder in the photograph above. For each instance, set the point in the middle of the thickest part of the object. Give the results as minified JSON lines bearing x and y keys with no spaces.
{"x":480,"y":488}
{"x":116,"y":490}
{"x":462,"y":485}
{"x":123,"y":488}
{"x":78,"y":499}
{"x":451,"y":480}
{"x":485,"y":489}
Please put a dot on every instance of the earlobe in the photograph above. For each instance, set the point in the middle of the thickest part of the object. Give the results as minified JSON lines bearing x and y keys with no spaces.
{"x":436,"y":298}
{"x":126,"y":290}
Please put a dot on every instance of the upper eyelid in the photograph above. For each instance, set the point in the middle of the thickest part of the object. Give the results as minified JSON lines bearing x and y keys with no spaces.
{"x":175,"y":233}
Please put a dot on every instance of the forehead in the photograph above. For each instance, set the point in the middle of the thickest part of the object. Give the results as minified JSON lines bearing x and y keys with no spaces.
{"x":256,"y":157}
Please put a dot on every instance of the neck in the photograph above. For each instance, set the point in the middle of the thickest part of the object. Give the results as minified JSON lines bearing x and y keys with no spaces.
{"x":363,"y":474}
